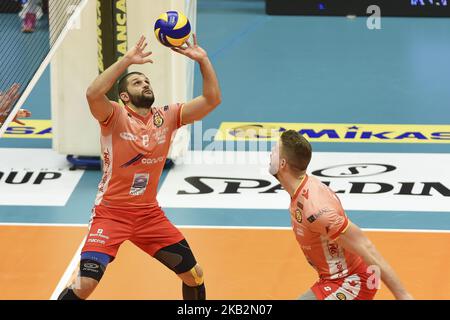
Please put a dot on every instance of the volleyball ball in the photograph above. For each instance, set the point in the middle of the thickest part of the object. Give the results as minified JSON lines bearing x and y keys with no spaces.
{"x":172,"y":29}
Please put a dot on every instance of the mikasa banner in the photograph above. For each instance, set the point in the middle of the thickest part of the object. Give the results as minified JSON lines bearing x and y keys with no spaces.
{"x":363,"y":181}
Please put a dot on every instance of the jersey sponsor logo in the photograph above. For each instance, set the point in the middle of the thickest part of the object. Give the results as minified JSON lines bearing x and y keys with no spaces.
{"x":33,"y":129}
{"x":133,"y":161}
{"x":158,"y":120}
{"x":106,"y":165}
{"x":152,"y":160}
{"x":333,"y":249}
{"x":128,"y":136}
{"x":305,"y":194}
{"x":299,"y":232}
{"x":298,"y":215}
{"x":161,"y":135}
{"x":99,"y":234}
{"x":336,"y":132}
{"x":317,"y":215}
{"x":96,"y":241}
{"x":139,"y":185}
{"x":140,"y":158}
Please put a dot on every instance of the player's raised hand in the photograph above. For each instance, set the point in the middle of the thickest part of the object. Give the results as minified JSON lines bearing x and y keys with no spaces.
{"x":193,"y":51}
{"x":23,"y":113}
{"x":137,"y":55}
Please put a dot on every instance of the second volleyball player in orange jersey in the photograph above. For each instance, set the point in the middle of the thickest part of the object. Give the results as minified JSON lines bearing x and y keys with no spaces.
{"x":135,"y":141}
{"x":348,"y":264}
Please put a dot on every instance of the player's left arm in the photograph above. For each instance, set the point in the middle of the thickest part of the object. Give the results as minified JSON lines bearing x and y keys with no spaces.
{"x":200,"y":106}
{"x":354,"y":240}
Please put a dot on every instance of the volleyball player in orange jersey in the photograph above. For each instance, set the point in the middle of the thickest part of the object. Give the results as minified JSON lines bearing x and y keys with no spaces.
{"x":135,"y":141}
{"x":348,"y":264}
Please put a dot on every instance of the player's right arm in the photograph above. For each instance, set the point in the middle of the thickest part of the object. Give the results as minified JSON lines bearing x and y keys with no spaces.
{"x":101,"y":107}
{"x":354,"y":240}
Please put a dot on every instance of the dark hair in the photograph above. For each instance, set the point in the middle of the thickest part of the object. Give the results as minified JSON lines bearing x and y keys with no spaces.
{"x":296,"y":149}
{"x":123,"y":82}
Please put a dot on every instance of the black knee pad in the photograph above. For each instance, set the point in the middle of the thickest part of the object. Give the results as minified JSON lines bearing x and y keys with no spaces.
{"x":178,"y":257}
{"x":91,"y":269}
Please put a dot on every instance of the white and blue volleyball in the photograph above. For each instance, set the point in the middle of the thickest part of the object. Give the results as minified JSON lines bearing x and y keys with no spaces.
{"x":172,"y":29}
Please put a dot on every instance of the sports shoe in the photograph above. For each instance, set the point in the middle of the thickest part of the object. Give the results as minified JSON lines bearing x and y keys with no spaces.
{"x":29,"y":23}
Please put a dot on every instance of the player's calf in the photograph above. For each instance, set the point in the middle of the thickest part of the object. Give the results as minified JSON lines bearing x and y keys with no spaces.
{"x":180,"y":259}
{"x":193,"y":284}
{"x":81,"y":289}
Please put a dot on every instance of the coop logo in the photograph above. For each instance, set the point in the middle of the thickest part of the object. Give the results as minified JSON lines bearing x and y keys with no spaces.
{"x":354,"y":170}
{"x":335,"y":132}
{"x":152,"y":160}
{"x":140,"y":158}
{"x":35,"y":177}
{"x":16,"y":177}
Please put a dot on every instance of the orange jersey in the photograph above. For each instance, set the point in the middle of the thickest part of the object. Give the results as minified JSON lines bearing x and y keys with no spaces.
{"x":318,"y":219}
{"x":134,"y":151}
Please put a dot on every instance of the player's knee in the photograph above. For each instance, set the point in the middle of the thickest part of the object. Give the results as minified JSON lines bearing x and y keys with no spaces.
{"x":92,"y":268}
{"x":193,"y":277}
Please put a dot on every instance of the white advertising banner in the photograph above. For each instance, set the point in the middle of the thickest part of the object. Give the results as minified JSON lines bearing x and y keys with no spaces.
{"x":35,"y":177}
{"x":363,"y":181}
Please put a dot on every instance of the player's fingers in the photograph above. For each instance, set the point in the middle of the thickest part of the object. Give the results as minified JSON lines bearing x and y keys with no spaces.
{"x":14,"y":88}
{"x":184,"y":46}
{"x":145,"y":45}
{"x":19,"y":122}
{"x":23,"y":113}
{"x":9,"y":92}
{"x":141,"y":41}
{"x":178,"y":49}
{"x":147,"y":54}
{"x":195,"y":39}
{"x":14,"y":98}
{"x":148,"y":60}
{"x":9,"y":96}
{"x":188,"y":44}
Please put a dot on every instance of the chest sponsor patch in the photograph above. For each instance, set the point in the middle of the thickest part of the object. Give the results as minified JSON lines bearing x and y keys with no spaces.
{"x":139,"y":185}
